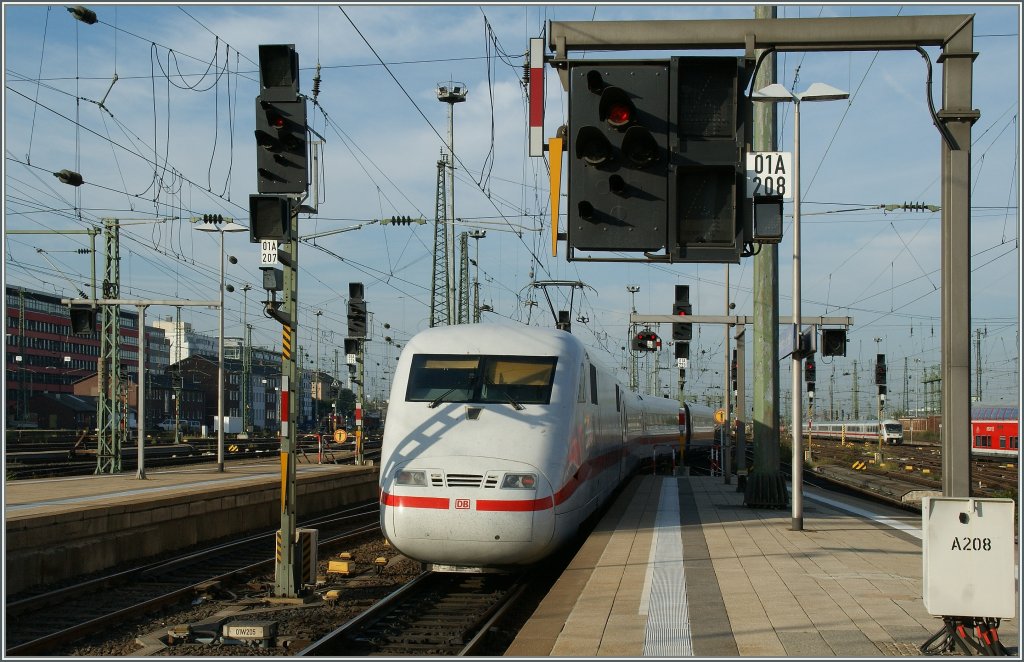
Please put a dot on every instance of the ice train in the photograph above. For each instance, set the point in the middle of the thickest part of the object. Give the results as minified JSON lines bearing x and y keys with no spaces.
{"x":888,"y":431}
{"x":500,"y":441}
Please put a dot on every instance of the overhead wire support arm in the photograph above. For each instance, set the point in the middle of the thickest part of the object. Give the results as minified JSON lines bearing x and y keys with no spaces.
{"x":328,"y":233}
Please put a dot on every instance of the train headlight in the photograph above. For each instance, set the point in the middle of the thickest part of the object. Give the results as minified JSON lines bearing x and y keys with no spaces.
{"x":519,"y":482}
{"x":412,"y":478}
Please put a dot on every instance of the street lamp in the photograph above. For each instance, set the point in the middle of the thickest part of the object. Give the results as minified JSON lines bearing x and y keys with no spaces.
{"x":230,"y":226}
{"x":316,"y":391}
{"x":776,"y":93}
{"x":246,"y":363}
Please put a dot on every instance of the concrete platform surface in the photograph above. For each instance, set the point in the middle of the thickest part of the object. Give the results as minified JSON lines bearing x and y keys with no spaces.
{"x":679,"y":567}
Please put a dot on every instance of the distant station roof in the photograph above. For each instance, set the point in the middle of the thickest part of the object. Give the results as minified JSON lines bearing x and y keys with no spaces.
{"x":994,"y":413}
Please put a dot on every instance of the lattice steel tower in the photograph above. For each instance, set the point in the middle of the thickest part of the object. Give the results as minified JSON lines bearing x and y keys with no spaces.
{"x":111,"y":433}
{"x":451,"y":93}
{"x":439,"y":277}
{"x":464,"y":278}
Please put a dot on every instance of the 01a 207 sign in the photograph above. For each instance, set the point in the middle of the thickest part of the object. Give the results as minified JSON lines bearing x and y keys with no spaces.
{"x":768,"y":173}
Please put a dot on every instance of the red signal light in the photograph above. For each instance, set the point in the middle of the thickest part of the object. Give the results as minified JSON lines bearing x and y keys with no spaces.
{"x":620,"y":114}
{"x":616,"y":107}
{"x":277,"y":121}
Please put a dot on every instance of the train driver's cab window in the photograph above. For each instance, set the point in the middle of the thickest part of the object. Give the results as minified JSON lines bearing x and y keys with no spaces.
{"x":518,"y":379}
{"x":442,"y":378}
{"x":514,"y":380}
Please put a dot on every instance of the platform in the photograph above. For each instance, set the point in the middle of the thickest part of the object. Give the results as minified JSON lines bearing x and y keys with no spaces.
{"x":678,"y":566}
{"x":65,"y":527}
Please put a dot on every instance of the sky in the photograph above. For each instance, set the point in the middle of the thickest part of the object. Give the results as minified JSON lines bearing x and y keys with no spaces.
{"x":154,"y":106}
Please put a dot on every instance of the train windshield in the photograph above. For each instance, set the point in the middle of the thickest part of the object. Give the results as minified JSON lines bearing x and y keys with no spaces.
{"x":514,"y":380}
{"x":894,"y":428}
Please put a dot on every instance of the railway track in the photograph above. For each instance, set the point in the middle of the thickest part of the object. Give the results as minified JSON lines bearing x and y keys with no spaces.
{"x":915,"y":463}
{"x":435,"y":614}
{"x":39,"y":624}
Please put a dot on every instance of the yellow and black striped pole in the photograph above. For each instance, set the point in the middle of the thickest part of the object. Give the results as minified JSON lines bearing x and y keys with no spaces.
{"x":286,"y":576}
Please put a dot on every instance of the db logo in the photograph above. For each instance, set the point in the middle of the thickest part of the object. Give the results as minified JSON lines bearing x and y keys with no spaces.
{"x":462,"y":504}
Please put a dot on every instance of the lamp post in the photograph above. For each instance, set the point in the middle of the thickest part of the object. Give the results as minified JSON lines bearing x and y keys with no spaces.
{"x":230,"y":226}
{"x":246,"y":363}
{"x":776,"y":93}
{"x":316,"y":389}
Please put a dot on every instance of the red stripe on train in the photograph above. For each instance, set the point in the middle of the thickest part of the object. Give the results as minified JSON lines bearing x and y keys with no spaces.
{"x":396,"y":501}
{"x":513,"y":505}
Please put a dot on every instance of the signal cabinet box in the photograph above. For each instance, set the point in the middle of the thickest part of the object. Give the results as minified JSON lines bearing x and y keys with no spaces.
{"x":969,"y":557}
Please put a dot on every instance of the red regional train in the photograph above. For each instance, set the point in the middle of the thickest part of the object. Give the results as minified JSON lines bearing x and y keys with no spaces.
{"x":995,"y":430}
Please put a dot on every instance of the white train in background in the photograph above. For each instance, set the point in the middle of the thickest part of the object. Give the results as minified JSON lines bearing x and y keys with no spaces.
{"x":501,"y":441}
{"x":887,"y":431}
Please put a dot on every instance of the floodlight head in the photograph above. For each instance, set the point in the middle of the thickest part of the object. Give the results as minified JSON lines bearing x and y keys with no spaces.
{"x":773,"y":92}
{"x":822,"y":92}
{"x":231,"y":226}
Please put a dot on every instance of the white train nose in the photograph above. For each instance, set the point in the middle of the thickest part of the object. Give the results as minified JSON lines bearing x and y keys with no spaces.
{"x":494,"y":518}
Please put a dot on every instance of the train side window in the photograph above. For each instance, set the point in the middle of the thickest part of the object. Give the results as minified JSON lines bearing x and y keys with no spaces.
{"x":1002,"y":442}
{"x":581,"y":395}
{"x":593,"y":384}
{"x":1013,"y":443}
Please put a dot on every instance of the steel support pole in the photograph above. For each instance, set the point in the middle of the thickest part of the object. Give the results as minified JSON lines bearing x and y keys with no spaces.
{"x":957,"y":116}
{"x":246,"y":363}
{"x":220,"y":363}
{"x":453,"y":301}
{"x":316,"y":389}
{"x":765,"y":487}
{"x":285,"y":577}
{"x":797,"y":465}
{"x":141,"y":406}
{"x":727,"y":392}
{"x":360,"y":399}
{"x":741,"y":408}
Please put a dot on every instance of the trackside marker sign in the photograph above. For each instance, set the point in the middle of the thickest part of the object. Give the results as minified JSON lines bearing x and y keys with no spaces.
{"x":536,"y":97}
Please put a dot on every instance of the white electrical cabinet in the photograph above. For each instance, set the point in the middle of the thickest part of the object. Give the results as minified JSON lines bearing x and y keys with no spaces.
{"x":969,"y":557}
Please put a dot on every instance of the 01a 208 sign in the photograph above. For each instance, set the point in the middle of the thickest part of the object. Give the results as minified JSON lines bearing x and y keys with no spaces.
{"x":768,"y":174}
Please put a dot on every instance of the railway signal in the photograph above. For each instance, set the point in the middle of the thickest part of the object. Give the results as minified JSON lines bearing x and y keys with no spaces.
{"x":356,"y":311}
{"x":733,"y":371}
{"x":269,"y":218}
{"x":646,"y":341}
{"x":709,"y":189}
{"x":618,"y":155}
{"x":657,"y":157}
{"x":356,"y":318}
{"x":880,"y":370}
{"x":833,"y":342}
{"x":83,"y":319}
{"x":282,"y":160}
{"x":682,"y":331}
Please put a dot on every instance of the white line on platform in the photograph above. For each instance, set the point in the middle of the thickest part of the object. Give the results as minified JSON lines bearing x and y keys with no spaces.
{"x":881,"y":519}
{"x":668,"y":619}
